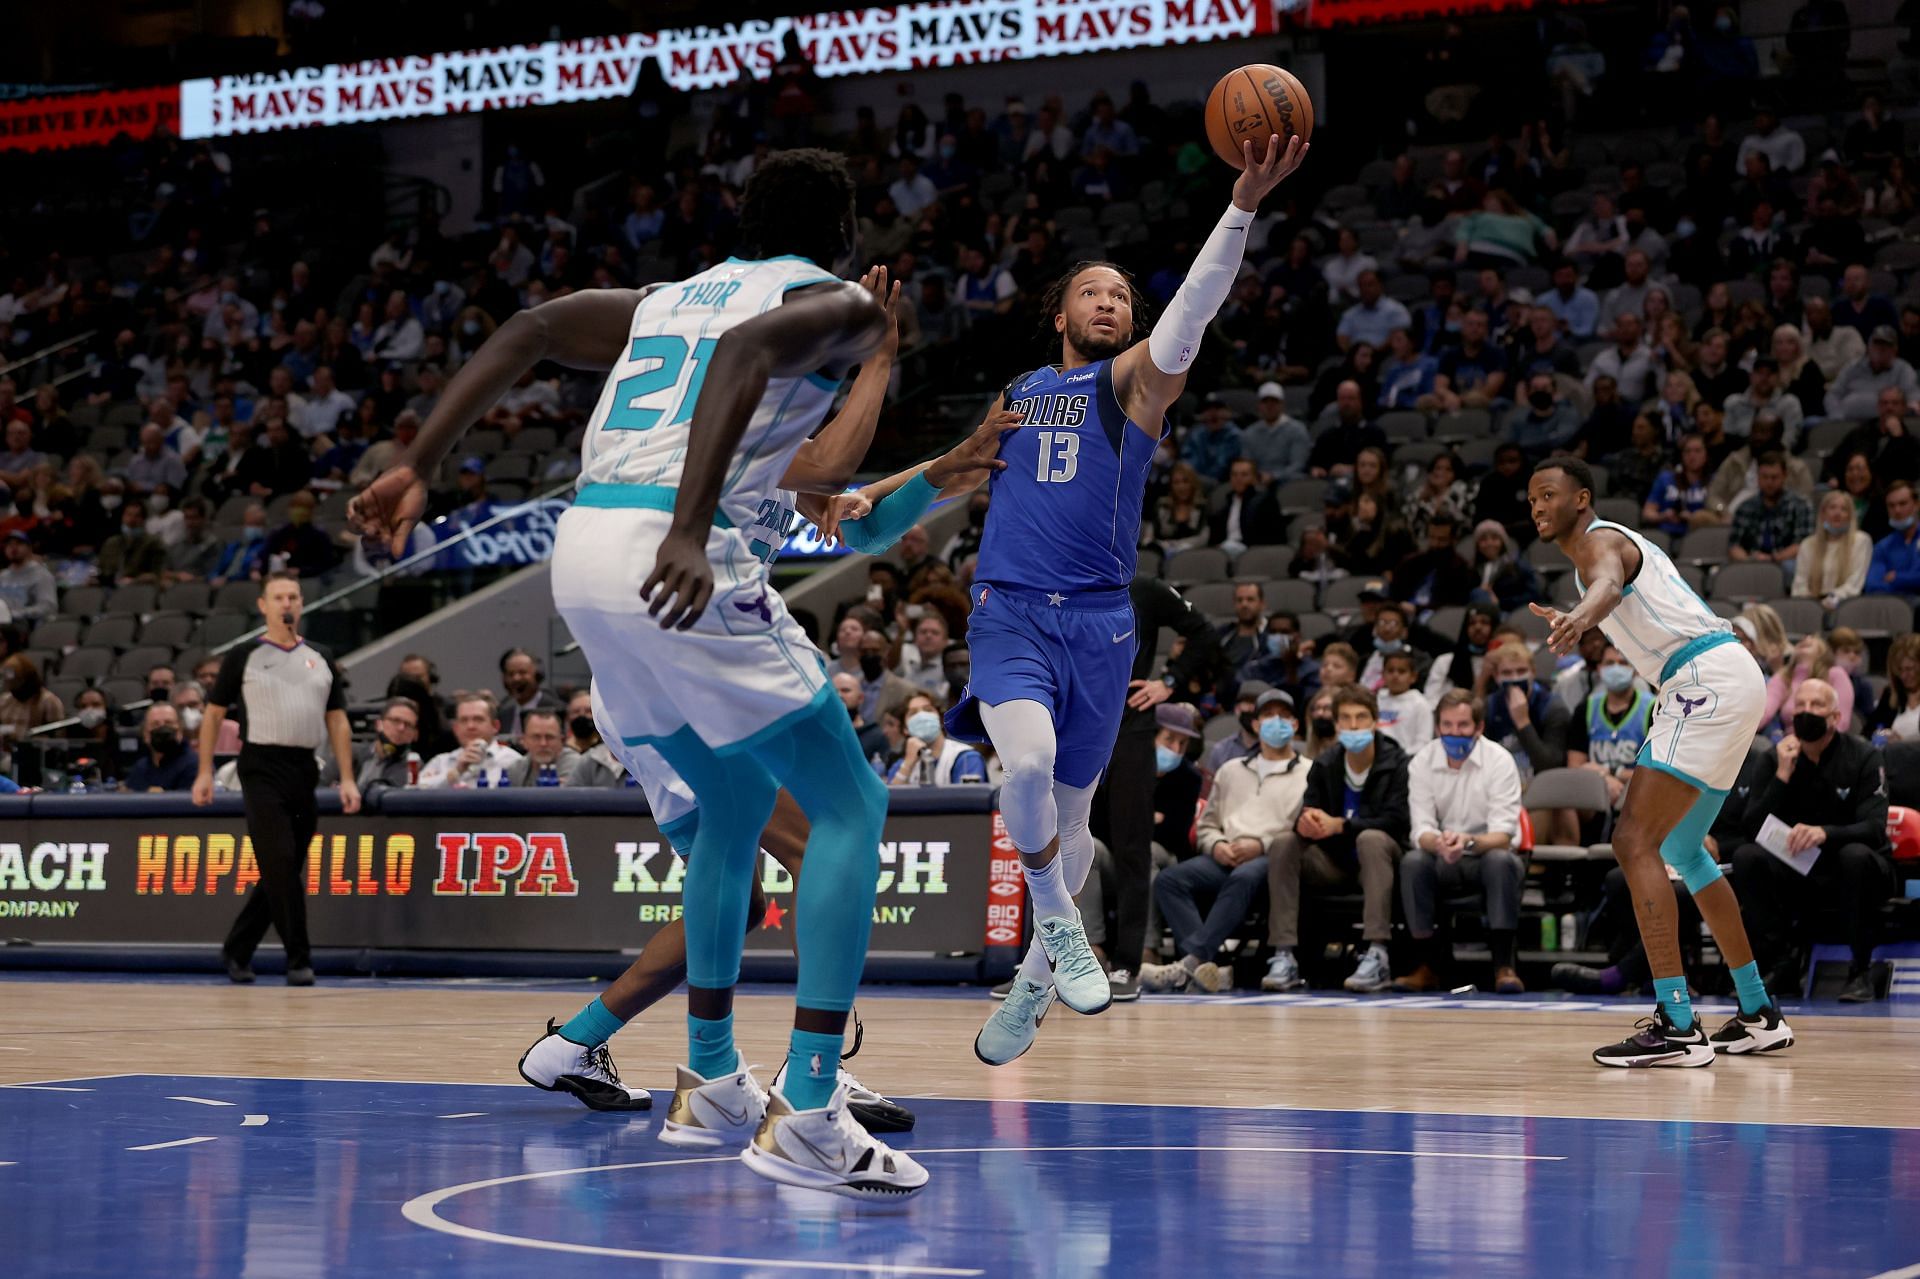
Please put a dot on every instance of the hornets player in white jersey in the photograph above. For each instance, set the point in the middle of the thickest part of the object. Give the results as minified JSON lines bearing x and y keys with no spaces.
{"x":1710,"y":701}
{"x":715,"y":384}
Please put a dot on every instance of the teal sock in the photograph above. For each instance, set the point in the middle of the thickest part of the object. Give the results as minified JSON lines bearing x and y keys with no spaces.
{"x":592,"y":1026}
{"x":1672,"y":992}
{"x":1752,"y":991}
{"x":813,"y":1066}
{"x":710,"y":1050}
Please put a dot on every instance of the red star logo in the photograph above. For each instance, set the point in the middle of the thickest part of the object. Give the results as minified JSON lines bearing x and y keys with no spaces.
{"x":773,"y":916}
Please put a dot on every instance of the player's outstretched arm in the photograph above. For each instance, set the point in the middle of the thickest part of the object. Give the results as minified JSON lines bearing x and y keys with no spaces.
{"x":877,"y":516}
{"x":585,"y":330}
{"x":822,"y":327}
{"x":1604,"y":569}
{"x":826,"y":463}
{"x":1150,"y":376}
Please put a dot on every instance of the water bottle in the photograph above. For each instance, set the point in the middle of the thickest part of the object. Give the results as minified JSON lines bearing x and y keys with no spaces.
{"x":630,"y":780}
{"x":1549,"y":933}
{"x":1881,"y":737}
{"x":502,"y":781}
{"x":549,"y":775}
{"x":483,"y":783}
{"x":78,"y":786}
{"x":1569,"y":926}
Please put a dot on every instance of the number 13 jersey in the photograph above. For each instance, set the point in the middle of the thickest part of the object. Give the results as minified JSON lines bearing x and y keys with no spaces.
{"x":1065,"y":514}
{"x":640,"y":427}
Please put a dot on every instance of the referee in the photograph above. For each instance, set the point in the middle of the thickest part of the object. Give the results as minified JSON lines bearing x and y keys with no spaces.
{"x":290,"y":700}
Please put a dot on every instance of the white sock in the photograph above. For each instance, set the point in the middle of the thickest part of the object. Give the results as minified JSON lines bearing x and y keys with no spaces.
{"x":1034,"y":967}
{"x":1052,"y":899}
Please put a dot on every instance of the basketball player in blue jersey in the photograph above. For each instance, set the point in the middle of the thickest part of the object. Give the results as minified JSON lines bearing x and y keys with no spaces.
{"x":1052,"y":629}
{"x":715,"y":385}
{"x":1708,"y":706}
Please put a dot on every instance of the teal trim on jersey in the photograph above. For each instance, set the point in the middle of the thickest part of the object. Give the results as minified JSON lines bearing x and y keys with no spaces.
{"x":778,"y":257}
{"x":680,"y":831}
{"x":1646,"y":760}
{"x":1693,"y":649}
{"x":641,"y":497}
{"x":780,"y":725}
{"x":825,"y":383}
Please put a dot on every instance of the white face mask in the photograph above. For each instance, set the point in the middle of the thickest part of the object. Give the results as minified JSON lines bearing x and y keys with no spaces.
{"x":158,"y":503}
{"x":190,"y":718}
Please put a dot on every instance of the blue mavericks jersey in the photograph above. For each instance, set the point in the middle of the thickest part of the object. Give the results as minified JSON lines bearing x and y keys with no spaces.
{"x":1065,"y":514}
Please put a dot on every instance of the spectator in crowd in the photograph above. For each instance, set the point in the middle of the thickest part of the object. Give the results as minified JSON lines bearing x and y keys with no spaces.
{"x":1575,"y":307}
{"x":1438,"y":489}
{"x":548,"y":760}
{"x":390,"y":761}
{"x":1502,"y":234}
{"x":1770,"y":525}
{"x":400,"y":337}
{"x":1546,"y":423}
{"x":1897,"y":714}
{"x":133,"y":554}
{"x":1244,"y":740}
{"x":1342,"y":270}
{"x":1714,"y":375}
{"x":1859,"y":308}
{"x":1471,"y":374}
{"x":1828,"y":787}
{"x":19,"y":457}
{"x":1633,"y":470}
{"x":1275,"y":442}
{"x":166,"y":762}
{"x":325,"y":405}
{"x":931,"y":757}
{"x":381,"y":454}
{"x":243,"y":557}
{"x":1378,"y":539}
{"x":1678,"y":500}
{"x":1407,"y":374}
{"x":1523,"y":715}
{"x":1850,"y":657}
{"x":1180,"y":518}
{"x":1831,"y":347}
{"x":1810,"y":659}
{"x":1244,"y":513}
{"x":1213,"y":442}
{"x":1464,"y":797}
{"x":1628,"y":361}
{"x":923,"y":662}
{"x":1611,"y":724}
{"x":25,"y":701}
{"x":1629,"y":297}
{"x":1832,"y":561}
{"x":1784,"y":149}
{"x":1764,"y":395}
{"x":1596,"y":246}
{"x":1242,"y":640}
{"x":522,"y":678}
{"x":1373,"y":317}
{"x":1890,"y":449}
{"x":1176,"y":790}
{"x":1435,"y":577}
{"x":480,"y":759}
{"x":298,"y":546}
{"x":1895,"y":566}
{"x":195,"y":556}
{"x":1405,"y":715}
{"x":1339,"y":440}
{"x":27,"y":588}
{"x":1353,"y":821}
{"x":1855,"y":392}
{"x":873,"y":742}
{"x":1255,"y":801}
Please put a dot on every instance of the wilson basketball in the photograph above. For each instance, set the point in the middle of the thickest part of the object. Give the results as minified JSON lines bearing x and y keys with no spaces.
{"x":1252,"y":103}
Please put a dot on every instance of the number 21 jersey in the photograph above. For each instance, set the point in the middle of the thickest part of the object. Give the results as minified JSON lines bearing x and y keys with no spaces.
{"x":1065,"y":514}
{"x":640,"y":427}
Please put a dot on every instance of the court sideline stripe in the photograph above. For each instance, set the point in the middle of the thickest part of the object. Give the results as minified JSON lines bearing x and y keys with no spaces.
{"x":168,"y":1145}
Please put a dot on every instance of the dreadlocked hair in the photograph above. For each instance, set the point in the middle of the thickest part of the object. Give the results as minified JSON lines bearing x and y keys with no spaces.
{"x":1054,"y":300}
{"x":798,"y":202}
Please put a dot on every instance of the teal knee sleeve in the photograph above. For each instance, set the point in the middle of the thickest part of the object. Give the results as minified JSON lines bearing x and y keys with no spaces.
{"x":1685,"y":847}
{"x":736,"y":798}
{"x":890,"y":517}
{"x":682,"y":831}
{"x":846,"y":805}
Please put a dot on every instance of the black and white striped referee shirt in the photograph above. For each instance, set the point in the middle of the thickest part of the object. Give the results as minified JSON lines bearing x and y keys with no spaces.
{"x":283,"y":694}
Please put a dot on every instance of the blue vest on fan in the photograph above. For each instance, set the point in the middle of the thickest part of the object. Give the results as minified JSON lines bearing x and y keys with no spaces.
{"x":1065,"y":514}
{"x":1616,"y":748}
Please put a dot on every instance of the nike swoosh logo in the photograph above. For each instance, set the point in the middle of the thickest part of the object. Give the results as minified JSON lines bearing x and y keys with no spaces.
{"x":728,"y":1115}
{"x":1118,"y":638}
{"x":836,"y":1162}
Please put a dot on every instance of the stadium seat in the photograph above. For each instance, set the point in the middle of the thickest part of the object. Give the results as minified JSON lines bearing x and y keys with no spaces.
{"x":1301,"y":497}
{"x":1318,"y":627}
{"x":1600,"y":477}
{"x":240,"y":596}
{"x":1545,"y":556}
{"x":510,"y":467}
{"x":1800,"y":617}
{"x":171,"y":629}
{"x":1403,"y":426}
{"x":1150,"y":561}
{"x":1747,"y":583}
{"x":1447,"y":621}
{"x":1660,"y":538}
{"x":1477,"y":454}
{"x":66,"y":690}
{"x":45,"y":660}
{"x":1531,"y":624}
{"x":1215,"y":599}
{"x":1875,"y":616}
{"x":1575,"y":788}
{"x":137,"y":661}
{"x":123,"y":690}
{"x":187,"y":597}
{"x":1728,"y":609}
{"x":1241,"y":401}
{"x":116,"y":631}
{"x":535,"y":439}
{"x":58,"y":633}
{"x":1288,"y":596}
{"x":1219,"y":728}
{"x":89,"y":664}
{"x":134,"y":598}
{"x":186,"y":659}
{"x":232,"y":512}
{"x":1704,"y":546}
{"x":1263,"y":561}
{"x":1826,"y":436}
{"x":223,"y":627}
{"x":1298,"y":398}
{"x":83,"y":601}
{"x":1342,"y":596}
{"x":1620,"y":510}
{"x":1200,"y":564}
{"x":1418,"y":453}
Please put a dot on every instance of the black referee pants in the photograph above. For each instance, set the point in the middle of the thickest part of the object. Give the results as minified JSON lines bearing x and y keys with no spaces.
{"x":1129,"y":786}
{"x":277,"y":785}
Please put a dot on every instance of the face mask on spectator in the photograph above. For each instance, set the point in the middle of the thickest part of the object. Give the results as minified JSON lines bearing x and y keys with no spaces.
{"x":159,"y":503}
{"x":1323,"y":728}
{"x":871,"y":665}
{"x":1833,"y":530}
{"x":1164,"y":760}
{"x":1901,"y":526}
{"x":582,"y":726}
{"x":252,"y":533}
{"x":92,"y":716}
{"x":1356,"y":740}
{"x":958,"y":675}
{"x":1457,"y":746}
{"x":163,"y":740}
{"x":471,"y":328}
{"x":190,"y":718}
{"x":1525,"y":686}
{"x":1390,"y":646}
{"x":924,"y":725}
{"x":1276,"y":731}
{"x":110,"y":501}
{"x":1809,"y":727}
{"x":158,"y":692}
{"x":1616,"y":677}
{"x":1541,"y":400}
{"x":1278,"y":644}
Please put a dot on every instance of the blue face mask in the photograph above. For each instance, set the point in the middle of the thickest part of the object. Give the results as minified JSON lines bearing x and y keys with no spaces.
{"x":1389,"y":646}
{"x":1276,"y":731}
{"x":1457,"y":747}
{"x":1356,"y":740}
{"x":1901,"y":526}
{"x":924,"y":725}
{"x":1617,"y":678}
{"x":1834,"y":530}
{"x":1164,"y":760}
{"x":1278,"y":644}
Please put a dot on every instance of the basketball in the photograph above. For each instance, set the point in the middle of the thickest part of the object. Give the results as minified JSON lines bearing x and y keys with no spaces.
{"x":1252,"y":103}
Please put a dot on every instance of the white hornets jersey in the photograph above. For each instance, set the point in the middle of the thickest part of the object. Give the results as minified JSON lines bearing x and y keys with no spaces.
{"x":1659,"y":615}
{"x":640,"y":428}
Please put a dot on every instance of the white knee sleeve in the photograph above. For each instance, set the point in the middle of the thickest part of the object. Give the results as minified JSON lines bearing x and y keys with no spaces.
{"x":1022,"y":735}
{"x":1074,"y":806}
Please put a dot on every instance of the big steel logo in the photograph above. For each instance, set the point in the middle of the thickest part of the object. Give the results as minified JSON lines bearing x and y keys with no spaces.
{"x":50,"y":867}
{"x":909,"y":868}
{"x":468,"y":863}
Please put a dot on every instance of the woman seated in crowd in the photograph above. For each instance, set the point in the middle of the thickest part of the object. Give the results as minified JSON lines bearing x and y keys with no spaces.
{"x":1379,"y":539}
{"x":1898,"y":712}
{"x":1858,"y":482}
{"x":1440,"y":489}
{"x":1800,"y":377}
{"x":1832,"y":563}
{"x":1180,"y":518}
{"x":1372,"y":478}
{"x":1678,"y":500}
{"x":1811,"y":658}
{"x":1461,"y":667}
{"x":1672,"y":412}
{"x":1505,"y":578}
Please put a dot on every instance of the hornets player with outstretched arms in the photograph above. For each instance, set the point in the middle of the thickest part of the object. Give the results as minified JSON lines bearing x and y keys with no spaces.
{"x":1052,"y":630}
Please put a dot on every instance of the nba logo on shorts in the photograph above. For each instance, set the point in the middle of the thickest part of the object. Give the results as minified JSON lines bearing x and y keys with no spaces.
{"x":983,"y":596}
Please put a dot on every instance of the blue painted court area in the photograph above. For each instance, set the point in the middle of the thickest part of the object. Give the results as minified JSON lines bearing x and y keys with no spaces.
{"x":157,"y":1175}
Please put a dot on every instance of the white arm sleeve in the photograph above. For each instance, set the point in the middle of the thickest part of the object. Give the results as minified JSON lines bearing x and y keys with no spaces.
{"x":1176,"y":338}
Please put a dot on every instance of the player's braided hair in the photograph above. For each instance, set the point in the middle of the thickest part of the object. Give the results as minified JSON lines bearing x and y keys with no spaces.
{"x":798,"y":202}
{"x":1054,"y":300}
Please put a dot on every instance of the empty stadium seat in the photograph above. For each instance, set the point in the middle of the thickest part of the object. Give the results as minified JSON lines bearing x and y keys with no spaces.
{"x":1403,"y":426}
{"x":1342,"y":596}
{"x":133,"y":598}
{"x":1215,"y":599}
{"x":89,"y":664}
{"x":224,"y":626}
{"x":1289,"y":596}
{"x":137,"y":661}
{"x":1200,"y":564}
{"x":187,"y":597}
{"x":1531,"y":624}
{"x":82,"y":601}
{"x":1875,"y":616}
{"x":1463,"y":424}
{"x":115,"y":630}
{"x":240,"y":596}
{"x":1263,"y":561}
{"x":58,"y":633}
{"x":1800,"y":617}
{"x":123,"y":690}
{"x":1704,"y":546}
{"x":1575,"y":788}
{"x":1317,"y":627}
{"x":1447,"y":621}
{"x":1300,"y":497}
{"x":1747,"y":583}
{"x":170,"y":629}
{"x":1545,"y":555}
